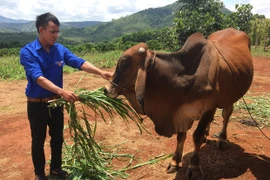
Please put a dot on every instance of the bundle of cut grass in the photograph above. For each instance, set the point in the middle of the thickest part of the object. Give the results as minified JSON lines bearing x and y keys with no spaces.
{"x":84,"y":157}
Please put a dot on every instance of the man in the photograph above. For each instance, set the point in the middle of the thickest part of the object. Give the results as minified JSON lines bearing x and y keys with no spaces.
{"x":43,"y":61}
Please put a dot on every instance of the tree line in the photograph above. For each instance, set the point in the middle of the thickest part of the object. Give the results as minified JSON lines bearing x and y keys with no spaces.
{"x":203,"y":16}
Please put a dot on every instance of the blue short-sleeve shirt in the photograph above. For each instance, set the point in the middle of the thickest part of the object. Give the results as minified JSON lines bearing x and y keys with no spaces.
{"x":38,"y":62}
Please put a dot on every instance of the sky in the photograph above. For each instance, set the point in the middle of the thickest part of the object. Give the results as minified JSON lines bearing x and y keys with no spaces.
{"x":100,"y":10}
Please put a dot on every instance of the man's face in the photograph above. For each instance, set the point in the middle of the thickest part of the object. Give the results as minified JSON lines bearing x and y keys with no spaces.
{"x":50,"y":33}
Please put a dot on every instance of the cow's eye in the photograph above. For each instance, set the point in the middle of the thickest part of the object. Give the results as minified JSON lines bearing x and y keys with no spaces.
{"x":124,"y":63}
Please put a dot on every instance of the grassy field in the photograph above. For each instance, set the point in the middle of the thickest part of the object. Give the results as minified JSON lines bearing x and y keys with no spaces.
{"x":259,"y":52}
{"x":11,"y":69}
{"x":259,"y":108}
{"x":101,"y":60}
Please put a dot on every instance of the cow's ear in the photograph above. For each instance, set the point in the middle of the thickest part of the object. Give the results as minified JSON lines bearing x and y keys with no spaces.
{"x":140,"y":87}
{"x":141,"y":77}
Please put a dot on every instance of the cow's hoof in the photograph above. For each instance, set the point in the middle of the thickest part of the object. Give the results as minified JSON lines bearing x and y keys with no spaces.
{"x":191,"y":173}
{"x":222,"y":145}
{"x":194,"y":173}
{"x":205,"y":140}
{"x":172,"y":169}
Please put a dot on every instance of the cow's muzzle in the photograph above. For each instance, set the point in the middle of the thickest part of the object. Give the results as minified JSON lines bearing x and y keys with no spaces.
{"x":110,"y":91}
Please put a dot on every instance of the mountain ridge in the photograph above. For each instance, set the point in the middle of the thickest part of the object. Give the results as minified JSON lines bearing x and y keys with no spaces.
{"x":10,"y":20}
{"x":97,"y":31}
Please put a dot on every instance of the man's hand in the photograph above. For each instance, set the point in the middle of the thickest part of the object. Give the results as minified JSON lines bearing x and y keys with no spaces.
{"x":47,"y":84}
{"x":69,"y":96}
{"x":90,"y":68}
{"x":106,"y":75}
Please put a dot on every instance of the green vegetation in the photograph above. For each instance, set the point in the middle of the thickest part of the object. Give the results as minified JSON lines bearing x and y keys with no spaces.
{"x":101,"y":60}
{"x":10,"y":40}
{"x":104,"y":60}
{"x":100,"y":32}
{"x":260,"y":52}
{"x":11,"y":69}
{"x":84,"y":157}
{"x":203,"y":16}
{"x":161,"y":28}
{"x":29,"y":26}
{"x":258,"y":106}
{"x":103,"y":43}
{"x":146,"y":20}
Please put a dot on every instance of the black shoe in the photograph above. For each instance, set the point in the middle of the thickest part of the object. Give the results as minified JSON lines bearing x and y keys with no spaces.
{"x":41,"y":177}
{"x":59,"y":174}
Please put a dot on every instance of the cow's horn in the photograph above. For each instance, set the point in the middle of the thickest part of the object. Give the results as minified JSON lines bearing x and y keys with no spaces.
{"x":141,"y":50}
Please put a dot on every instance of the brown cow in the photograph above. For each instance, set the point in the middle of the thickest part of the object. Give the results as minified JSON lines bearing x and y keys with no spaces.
{"x":175,"y":89}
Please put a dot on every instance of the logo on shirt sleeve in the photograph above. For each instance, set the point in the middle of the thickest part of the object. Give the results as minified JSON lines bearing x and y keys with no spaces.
{"x":60,"y":63}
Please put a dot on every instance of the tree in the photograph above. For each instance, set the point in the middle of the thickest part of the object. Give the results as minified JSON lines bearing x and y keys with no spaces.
{"x":203,"y":16}
{"x":168,"y":39}
{"x":260,"y":31}
{"x":241,"y":18}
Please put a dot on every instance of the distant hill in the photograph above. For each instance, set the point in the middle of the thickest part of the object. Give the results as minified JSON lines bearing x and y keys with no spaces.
{"x":11,"y":25}
{"x":18,"y":27}
{"x":95,"y":31}
{"x":81,"y":24}
{"x":149,"y":19}
{"x":9,"y":20}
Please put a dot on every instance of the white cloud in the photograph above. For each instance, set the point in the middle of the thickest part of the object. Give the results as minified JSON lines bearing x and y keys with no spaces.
{"x":259,"y":6}
{"x":78,"y":10}
{"x":98,"y":10}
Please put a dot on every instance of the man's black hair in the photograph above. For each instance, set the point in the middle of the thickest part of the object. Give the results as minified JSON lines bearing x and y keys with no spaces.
{"x":43,"y":20}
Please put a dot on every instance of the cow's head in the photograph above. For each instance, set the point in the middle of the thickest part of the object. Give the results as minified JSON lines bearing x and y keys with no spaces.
{"x":130,"y":76}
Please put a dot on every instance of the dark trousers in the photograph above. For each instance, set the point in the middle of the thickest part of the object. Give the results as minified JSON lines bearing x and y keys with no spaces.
{"x":40,"y":117}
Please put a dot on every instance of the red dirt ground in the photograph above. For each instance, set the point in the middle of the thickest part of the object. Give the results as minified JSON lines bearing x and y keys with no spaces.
{"x":247,"y":158}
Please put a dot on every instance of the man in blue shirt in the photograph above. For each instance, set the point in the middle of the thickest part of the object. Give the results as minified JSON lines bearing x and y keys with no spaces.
{"x":43,"y":61}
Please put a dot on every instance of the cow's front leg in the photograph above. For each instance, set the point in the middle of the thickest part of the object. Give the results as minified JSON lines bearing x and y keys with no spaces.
{"x":198,"y":139}
{"x":206,"y":133}
{"x":177,"y":157}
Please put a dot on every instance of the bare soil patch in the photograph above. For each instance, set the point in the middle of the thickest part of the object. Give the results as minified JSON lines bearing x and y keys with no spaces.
{"x":248,"y":155}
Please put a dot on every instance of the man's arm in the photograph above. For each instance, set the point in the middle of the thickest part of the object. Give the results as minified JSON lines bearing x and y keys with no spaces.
{"x":47,"y":84}
{"x":69,"y":95}
{"x":76,"y":62}
{"x":90,"y":68}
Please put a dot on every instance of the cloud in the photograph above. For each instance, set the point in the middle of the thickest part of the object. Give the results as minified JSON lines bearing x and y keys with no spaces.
{"x":230,"y":4}
{"x":9,"y":3}
{"x":97,"y":10}
{"x":261,"y":7}
{"x":79,"y":10}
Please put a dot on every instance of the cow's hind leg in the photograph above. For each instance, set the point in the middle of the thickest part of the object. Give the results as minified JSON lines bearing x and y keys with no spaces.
{"x":207,"y":131}
{"x":198,"y":139}
{"x":226,"y":114}
{"x":177,"y":157}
